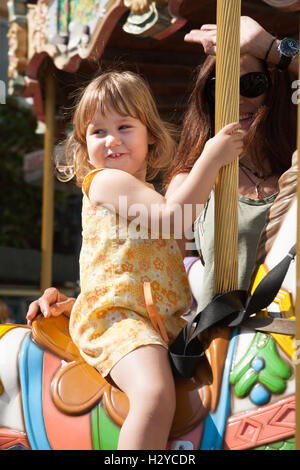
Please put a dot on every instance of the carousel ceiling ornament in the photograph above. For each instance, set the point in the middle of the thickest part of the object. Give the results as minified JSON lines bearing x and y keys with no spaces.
{"x":70,"y":31}
{"x":17,"y":43}
{"x":285,"y":5}
{"x":159,"y":20}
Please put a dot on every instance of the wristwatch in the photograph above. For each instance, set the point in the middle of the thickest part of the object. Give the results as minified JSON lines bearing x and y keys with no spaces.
{"x":288,"y":49}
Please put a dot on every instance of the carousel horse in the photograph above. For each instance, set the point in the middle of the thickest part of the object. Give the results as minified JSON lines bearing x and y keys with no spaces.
{"x":242,"y":395}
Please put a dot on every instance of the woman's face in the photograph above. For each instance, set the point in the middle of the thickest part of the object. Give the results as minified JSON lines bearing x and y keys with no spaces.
{"x":249,"y":106}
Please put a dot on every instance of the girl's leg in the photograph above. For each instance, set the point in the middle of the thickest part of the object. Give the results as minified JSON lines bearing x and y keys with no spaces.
{"x":145,"y":376}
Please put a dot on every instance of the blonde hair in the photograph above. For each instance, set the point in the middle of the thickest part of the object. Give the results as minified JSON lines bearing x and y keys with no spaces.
{"x":128,"y":94}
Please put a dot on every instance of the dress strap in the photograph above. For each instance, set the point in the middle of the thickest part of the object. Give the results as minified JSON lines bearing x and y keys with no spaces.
{"x":88,"y":179}
{"x":153,"y":312}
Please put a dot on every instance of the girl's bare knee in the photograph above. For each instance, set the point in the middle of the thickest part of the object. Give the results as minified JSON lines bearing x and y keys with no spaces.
{"x":145,"y":376}
{"x":156,"y":399}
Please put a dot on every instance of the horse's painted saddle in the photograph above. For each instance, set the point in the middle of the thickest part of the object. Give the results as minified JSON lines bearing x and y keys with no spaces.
{"x":77,"y":387}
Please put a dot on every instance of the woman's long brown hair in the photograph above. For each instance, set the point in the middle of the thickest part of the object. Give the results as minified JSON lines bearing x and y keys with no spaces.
{"x":271,"y":139}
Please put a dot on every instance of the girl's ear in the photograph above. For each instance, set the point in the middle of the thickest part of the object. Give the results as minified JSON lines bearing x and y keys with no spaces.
{"x":151,"y":139}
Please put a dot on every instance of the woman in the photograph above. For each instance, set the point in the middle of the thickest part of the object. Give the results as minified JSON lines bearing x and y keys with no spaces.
{"x":269,"y":124}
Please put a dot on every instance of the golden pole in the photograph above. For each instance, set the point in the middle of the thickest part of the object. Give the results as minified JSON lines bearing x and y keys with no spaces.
{"x":297,"y":307}
{"x":227,"y":111}
{"x":48,"y":185}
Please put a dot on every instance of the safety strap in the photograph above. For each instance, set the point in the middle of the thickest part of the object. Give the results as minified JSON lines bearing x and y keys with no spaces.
{"x":229,"y":310}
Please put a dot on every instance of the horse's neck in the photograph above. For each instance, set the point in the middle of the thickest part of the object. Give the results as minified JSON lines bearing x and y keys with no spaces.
{"x":285,"y":239}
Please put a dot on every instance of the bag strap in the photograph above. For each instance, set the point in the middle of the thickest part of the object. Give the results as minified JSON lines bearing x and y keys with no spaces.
{"x":267,"y":289}
{"x":232,"y":308}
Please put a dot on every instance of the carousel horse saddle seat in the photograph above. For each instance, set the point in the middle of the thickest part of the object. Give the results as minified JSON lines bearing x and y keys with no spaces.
{"x":76,"y":387}
{"x":53,"y":335}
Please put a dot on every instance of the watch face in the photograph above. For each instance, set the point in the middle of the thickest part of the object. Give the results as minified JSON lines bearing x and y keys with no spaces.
{"x":289,"y":47}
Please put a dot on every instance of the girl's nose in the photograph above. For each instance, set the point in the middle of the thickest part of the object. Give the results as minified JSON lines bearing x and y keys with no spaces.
{"x":112,"y":140}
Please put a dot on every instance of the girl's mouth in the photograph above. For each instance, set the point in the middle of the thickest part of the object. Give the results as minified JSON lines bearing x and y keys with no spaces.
{"x":115,"y":156}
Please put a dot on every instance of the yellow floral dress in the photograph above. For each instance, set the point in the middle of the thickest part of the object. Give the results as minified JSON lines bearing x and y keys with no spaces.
{"x":109,"y":318}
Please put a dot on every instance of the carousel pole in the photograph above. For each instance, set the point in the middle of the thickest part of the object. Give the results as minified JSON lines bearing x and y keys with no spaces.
{"x":227,"y":111}
{"x":48,"y":184}
{"x":297,"y":309}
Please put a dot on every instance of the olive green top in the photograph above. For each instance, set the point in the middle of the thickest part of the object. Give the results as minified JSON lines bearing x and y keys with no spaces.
{"x":251,"y":220}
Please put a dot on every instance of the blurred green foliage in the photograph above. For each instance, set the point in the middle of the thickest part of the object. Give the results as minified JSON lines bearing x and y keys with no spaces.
{"x":20,"y":202}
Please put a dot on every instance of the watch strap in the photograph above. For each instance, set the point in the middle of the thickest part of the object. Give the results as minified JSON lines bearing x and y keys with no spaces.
{"x":285,"y":59}
{"x":284,"y":62}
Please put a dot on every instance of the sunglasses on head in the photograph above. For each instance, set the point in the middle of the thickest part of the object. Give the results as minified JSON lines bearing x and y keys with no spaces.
{"x":252,"y":85}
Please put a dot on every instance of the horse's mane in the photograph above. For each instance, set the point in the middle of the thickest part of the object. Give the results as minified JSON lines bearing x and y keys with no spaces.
{"x":287,"y":191}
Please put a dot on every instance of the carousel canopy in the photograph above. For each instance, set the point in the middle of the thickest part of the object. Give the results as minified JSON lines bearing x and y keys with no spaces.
{"x":78,"y":38}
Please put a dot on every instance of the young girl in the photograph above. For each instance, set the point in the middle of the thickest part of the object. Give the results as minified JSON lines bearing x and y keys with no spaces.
{"x":118,"y":142}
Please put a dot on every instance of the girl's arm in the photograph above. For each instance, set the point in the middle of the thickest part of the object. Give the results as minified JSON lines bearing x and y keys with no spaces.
{"x":127,"y":195}
{"x":175,"y":183}
{"x":188,"y":234}
{"x":51,"y":304}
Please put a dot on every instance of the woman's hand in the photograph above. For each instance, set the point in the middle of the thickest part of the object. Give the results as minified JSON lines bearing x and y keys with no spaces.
{"x":206,"y":36}
{"x":51,"y":304}
{"x":255,"y":40}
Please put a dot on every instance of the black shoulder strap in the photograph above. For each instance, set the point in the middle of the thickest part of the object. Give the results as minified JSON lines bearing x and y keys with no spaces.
{"x":229,"y":309}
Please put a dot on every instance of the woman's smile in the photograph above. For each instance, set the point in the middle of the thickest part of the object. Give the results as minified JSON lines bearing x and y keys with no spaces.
{"x":246,"y":120}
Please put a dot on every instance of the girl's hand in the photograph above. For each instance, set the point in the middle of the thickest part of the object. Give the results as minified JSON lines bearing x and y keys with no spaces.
{"x":255,"y":40}
{"x":51,"y":304}
{"x":225,"y":146}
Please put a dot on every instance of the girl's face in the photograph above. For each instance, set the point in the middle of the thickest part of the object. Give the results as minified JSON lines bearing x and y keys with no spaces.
{"x":118,"y":142}
{"x":249,"y":106}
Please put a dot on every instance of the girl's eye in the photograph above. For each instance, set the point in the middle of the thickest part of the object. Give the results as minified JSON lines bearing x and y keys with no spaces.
{"x":125,"y":126}
{"x":99,"y":131}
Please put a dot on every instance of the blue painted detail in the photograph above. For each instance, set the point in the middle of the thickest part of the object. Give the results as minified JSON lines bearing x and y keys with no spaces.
{"x":31,"y":378}
{"x":259,"y":395}
{"x":215,"y":423}
{"x":258,"y":364}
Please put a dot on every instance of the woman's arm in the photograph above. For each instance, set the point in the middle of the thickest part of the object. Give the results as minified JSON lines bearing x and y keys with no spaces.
{"x":255,"y":40}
